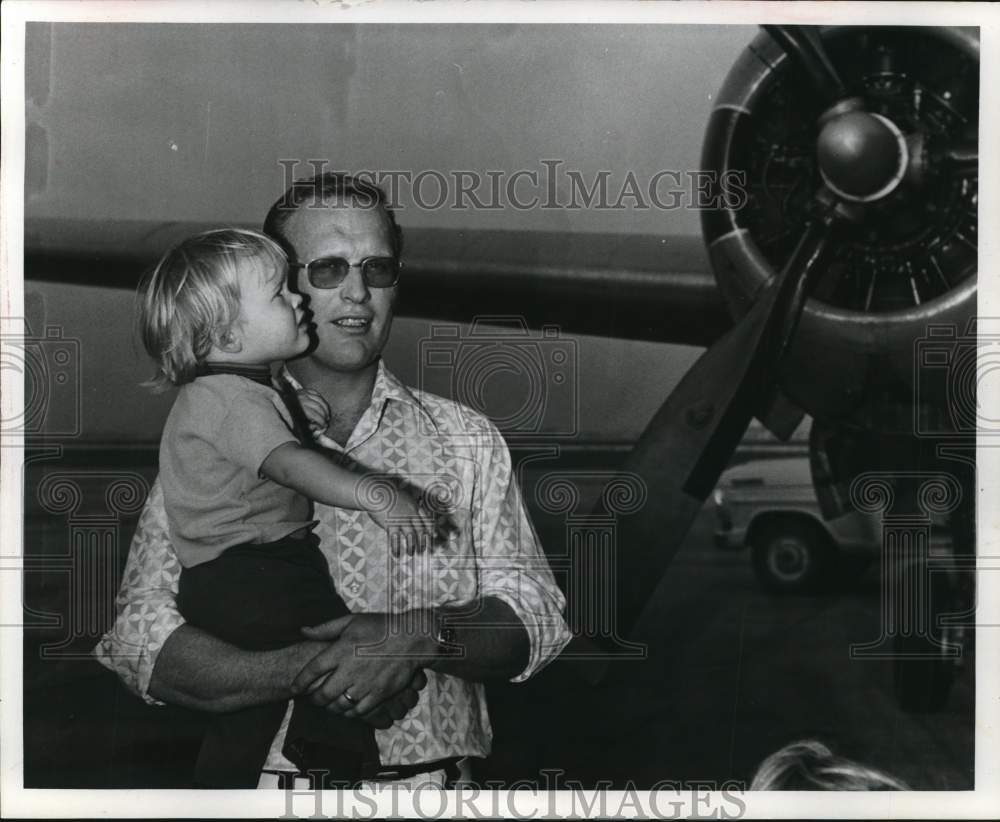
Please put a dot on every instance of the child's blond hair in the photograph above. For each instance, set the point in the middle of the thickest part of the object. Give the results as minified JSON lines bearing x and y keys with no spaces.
{"x":809,"y":765}
{"x":191,"y":299}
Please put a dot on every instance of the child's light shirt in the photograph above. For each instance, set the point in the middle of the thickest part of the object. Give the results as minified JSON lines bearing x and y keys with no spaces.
{"x":219,"y":432}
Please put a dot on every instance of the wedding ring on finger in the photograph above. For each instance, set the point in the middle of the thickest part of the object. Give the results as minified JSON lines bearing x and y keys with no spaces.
{"x":349,"y":698}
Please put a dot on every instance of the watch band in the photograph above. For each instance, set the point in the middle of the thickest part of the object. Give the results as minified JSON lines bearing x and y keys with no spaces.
{"x":445,"y":636}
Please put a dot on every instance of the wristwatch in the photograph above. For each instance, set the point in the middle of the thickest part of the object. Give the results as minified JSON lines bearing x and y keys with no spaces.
{"x":445,"y":636}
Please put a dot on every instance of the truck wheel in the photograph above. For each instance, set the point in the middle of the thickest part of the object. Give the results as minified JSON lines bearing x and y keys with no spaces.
{"x":790,"y":556}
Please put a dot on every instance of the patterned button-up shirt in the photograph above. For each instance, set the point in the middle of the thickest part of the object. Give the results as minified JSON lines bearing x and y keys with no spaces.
{"x":430,"y":441}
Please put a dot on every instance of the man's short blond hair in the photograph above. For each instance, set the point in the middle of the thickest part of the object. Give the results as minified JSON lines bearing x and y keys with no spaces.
{"x":191,"y":299}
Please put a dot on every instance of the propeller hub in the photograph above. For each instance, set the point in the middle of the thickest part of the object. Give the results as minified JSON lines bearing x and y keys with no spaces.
{"x":862,"y":156}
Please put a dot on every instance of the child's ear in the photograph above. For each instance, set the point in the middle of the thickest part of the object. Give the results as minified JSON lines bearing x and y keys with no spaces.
{"x":229,"y":341}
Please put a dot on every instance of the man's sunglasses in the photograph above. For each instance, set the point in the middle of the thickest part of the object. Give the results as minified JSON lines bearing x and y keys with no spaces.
{"x":330,"y":272}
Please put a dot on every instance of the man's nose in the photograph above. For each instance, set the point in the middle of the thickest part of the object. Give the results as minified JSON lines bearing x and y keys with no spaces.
{"x":354,"y":288}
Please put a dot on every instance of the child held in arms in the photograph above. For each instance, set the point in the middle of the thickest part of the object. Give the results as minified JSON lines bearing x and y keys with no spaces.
{"x":216,"y":315}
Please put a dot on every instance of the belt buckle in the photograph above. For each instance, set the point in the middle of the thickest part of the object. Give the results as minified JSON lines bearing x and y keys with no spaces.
{"x":386,"y":776}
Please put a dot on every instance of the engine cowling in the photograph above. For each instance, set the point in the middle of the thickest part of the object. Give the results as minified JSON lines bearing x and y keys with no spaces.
{"x":905,"y":272}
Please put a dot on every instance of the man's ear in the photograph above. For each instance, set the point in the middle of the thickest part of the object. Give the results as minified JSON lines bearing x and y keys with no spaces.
{"x":230,"y":341}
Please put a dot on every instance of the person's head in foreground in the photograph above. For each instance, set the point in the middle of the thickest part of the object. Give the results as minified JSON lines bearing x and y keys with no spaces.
{"x":220,"y":296}
{"x":809,"y":765}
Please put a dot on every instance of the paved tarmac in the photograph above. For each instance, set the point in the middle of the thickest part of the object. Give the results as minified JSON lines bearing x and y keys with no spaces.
{"x":733,"y":674}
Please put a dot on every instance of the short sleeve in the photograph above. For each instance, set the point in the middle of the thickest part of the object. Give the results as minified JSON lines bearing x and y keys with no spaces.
{"x":257,"y":422}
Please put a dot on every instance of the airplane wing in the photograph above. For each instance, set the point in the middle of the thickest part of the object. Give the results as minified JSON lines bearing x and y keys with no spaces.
{"x":657,"y":288}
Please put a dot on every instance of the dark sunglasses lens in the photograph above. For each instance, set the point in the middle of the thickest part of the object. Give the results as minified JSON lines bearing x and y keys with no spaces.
{"x":328,"y":273}
{"x":381,"y":272}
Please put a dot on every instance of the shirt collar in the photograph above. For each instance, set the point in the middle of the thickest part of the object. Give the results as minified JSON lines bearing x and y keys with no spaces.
{"x":387,"y":388}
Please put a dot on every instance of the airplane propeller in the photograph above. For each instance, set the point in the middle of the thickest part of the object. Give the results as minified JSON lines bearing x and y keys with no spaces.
{"x":803,"y":44}
{"x":861,"y":155}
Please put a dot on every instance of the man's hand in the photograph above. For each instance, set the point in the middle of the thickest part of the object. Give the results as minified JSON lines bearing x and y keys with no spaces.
{"x":400,"y":646}
{"x":203,"y":673}
{"x":398,"y":706}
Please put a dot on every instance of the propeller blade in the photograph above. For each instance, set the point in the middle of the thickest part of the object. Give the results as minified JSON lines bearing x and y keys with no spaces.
{"x":689,"y":442}
{"x":804,"y":45}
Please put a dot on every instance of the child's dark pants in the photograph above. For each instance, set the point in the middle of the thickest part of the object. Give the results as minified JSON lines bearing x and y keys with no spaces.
{"x":258,"y":597}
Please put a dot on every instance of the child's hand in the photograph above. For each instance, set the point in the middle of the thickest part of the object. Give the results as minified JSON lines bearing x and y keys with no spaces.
{"x":409,"y":524}
{"x":316,"y":410}
{"x":416,"y":519}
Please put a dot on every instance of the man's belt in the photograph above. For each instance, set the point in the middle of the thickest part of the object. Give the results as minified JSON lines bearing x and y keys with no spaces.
{"x":393,"y":773}
{"x":375,"y":773}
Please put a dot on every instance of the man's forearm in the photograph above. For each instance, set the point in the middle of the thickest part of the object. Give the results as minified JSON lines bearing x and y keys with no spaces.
{"x":493,"y":640}
{"x":196,"y":670}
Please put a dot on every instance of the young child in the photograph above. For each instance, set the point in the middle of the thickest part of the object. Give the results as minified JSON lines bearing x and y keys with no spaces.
{"x":216,"y":314}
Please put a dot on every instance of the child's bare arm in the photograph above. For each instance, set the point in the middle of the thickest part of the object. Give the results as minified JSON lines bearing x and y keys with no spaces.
{"x":311,"y":473}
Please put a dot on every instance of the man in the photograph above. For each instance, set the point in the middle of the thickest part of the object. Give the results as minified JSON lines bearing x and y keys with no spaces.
{"x":481,"y":605}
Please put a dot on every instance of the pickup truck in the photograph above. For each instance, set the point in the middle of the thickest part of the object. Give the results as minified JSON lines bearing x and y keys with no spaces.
{"x":770,"y":506}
